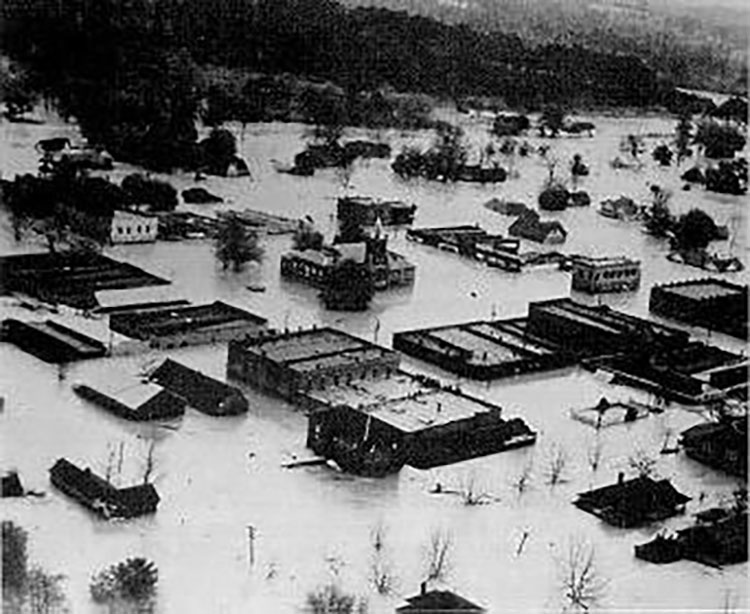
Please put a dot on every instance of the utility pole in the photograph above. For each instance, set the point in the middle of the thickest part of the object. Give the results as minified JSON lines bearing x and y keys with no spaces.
{"x":251,"y":544}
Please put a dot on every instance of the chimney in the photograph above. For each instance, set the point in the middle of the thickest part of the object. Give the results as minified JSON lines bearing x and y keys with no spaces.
{"x":620,"y":477}
{"x":423,"y":588}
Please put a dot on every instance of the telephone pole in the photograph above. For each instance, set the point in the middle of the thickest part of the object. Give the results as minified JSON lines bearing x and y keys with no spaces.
{"x":251,"y":544}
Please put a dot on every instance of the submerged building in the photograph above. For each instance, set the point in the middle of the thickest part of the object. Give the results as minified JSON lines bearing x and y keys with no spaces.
{"x":712,"y":303}
{"x":314,"y":266}
{"x":635,"y":502}
{"x":367,"y":414}
{"x":366,"y":211}
{"x":722,"y":444}
{"x":138,"y":401}
{"x":99,"y":495}
{"x":50,"y":341}
{"x":171,"y":327}
{"x":604,"y":274}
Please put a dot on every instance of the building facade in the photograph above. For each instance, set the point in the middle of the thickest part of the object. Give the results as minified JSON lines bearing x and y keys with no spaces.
{"x":128,"y":227}
{"x":606,"y":274}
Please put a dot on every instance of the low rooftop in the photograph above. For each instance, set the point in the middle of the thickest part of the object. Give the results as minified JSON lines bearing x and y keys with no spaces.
{"x":702,"y":289}
{"x":309,"y":345}
{"x":404,"y":402}
{"x":603,"y":261}
{"x":172,"y":320}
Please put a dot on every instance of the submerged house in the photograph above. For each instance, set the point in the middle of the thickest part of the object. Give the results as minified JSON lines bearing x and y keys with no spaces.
{"x":529,"y":226}
{"x":719,"y":537}
{"x":722,"y":445}
{"x":604,"y":274}
{"x":200,"y":391}
{"x":139,"y":401}
{"x":99,"y":495}
{"x":436,"y":601}
{"x":366,"y":211}
{"x":631,"y":503}
{"x":129,"y":227}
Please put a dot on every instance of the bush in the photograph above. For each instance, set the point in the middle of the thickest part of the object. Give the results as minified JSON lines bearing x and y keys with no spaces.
{"x":695,"y":230}
{"x":720,"y":140}
{"x":728,"y":177}
{"x":133,"y":580}
{"x":663,"y":155}
{"x":555,"y":197}
{"x":142,"y":190}
{"x":236,"y":245}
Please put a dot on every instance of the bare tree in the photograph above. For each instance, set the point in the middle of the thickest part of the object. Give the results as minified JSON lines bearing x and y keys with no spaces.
{"x":332,"y":599}
{"x":45,"y":592}
{"x":439,"y":555}
{"x":594,"y":456}
{"x":382,"y":575}
{"x":149,"y":462}
{"x":470,"y":492}
{"x":580,"y":581}
{"x":522,"y":481}
{"x":556,"y":464}
{"x":642,"y":463}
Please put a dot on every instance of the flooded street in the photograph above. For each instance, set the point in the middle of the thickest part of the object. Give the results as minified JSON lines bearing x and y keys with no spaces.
{"x":216,"y":476}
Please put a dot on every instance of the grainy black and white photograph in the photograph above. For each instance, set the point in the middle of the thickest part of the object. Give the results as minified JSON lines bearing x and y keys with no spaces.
{"x":374,"y":306}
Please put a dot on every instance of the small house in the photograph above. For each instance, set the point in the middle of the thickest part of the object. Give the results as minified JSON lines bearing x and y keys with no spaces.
{"x":529,"y":226}
{"x":438,"y":602}
{"x":722,"y":445}
{"x":128,"y":227}
{"x":204,"y":393}
{"x":631,"y":503}
{"x":10,"y":485}
{"x":138,"y":401}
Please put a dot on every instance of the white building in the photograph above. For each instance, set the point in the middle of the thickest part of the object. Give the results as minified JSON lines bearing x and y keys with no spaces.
{"x":130,"y":227}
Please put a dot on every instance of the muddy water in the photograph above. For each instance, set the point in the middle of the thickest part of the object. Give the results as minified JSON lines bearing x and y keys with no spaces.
{"x":311,"y":520}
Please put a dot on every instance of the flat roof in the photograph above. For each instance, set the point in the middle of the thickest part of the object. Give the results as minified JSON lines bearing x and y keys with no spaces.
{"x":604,"y":261}
{"x":704,"y":289}
{"x":133,"y":395}
{"x":403,"y":402}
{"x":172,"y":320}
{"x":308,"y":345}
{"x":344,"y":358}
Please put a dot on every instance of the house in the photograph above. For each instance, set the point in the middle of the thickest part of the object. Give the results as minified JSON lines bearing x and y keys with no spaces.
{"x":631,"y":503}
{"x":10,"y":485}
{"x":99,"y":495}
{"x":204,"y":393}
{"x":50,"y":341}
{"x":529,"y":226}
{"x":712,"y":303}
{"x":173,"y":327}
{"x":437,"y":601}
{"x":137,"y":401}
{"x":128,"y":227}
{"x":722,"y":445}
{"x":366,"y":211}
{"x":718,"y":538}
{"x":604,"y":274}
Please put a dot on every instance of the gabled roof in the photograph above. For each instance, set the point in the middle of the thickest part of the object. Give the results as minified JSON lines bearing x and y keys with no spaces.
{"x":439,"y":601}
{"x":529,"y":226}
{"x":640,"y":492}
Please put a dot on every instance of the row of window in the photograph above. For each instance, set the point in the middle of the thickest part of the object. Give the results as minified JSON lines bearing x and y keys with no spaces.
{"x":619,"y":274}
{"x":126,"y":229}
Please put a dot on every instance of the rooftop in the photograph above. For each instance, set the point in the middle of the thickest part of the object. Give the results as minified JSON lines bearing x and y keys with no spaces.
{"x":133,"y":395}
{"x":439,"y":601}
{"x":162,"y":322}
{"x":603,"y":261}
{"x":404,"y":401}
{"x":702,"y":289}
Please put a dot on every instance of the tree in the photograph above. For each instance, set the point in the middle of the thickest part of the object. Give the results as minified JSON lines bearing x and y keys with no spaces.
{"x":236,"y":245}
{"x":581,"y":583}
{"x":45,"y":593}
{"x":659,"y":220}
{"x":217,"y":151}
{"x":521,"y":483}
{"x":332,"y":599}
{"x":349,"y":286}
{"x":131,"y":582}
{"x":438,"y":556}
{"x":557,"y":461}
{"x":662,"y":154}
{"x":17,"y":91}
{"x":306,"y":237}
{"x":720,"y":140}
{"x":141,"y":189}
{"x":382,"y":576}
{"x":552,"y":120}
{"x":642,"y":463}
{"x":15,"y":566}
{"x":683,"y":136}
{"x":695,"y":230}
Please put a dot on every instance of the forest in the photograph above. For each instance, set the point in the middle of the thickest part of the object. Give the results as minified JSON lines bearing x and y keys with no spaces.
{"x":136,"y":73}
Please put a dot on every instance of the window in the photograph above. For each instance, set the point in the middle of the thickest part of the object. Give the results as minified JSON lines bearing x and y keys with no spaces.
{"x":127,"y":230}
{"x":139,"y":229}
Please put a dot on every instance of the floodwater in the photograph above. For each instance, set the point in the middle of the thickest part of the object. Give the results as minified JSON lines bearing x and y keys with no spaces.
{"x":217,"y":476}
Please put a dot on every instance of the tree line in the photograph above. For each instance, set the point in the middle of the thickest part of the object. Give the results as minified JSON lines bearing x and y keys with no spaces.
{"x":133,"y":72}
